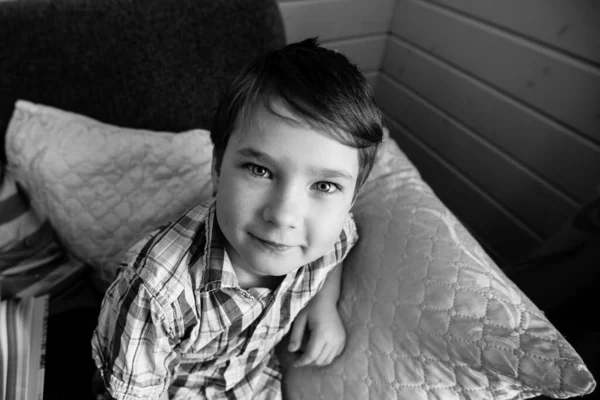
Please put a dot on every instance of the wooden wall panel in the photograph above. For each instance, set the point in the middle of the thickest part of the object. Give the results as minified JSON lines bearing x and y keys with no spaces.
{"x":561,"y":87}
{"x":525,"y":195}
{"x":335,"y":19}
{"x":366,"y":52}
{"x":531,"y":138}
{"x":498,"y":105}
{"x":372,"y":79}
{"x":558,"y":24}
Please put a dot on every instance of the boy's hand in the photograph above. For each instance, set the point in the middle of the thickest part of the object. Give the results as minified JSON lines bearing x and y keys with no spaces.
{"x":327,"y":335}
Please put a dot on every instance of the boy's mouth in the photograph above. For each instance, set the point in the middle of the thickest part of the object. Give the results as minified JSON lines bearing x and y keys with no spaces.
{"x":271,"y":245}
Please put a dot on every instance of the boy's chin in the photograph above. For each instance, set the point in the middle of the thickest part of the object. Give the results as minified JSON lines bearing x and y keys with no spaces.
{"x":274,"y":269}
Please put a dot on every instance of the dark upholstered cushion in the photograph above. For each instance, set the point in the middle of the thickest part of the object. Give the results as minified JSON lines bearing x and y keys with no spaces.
{"x":152,"y":64}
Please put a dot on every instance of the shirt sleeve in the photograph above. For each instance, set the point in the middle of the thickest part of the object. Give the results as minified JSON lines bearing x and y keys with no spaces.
{"x":133,"y":344}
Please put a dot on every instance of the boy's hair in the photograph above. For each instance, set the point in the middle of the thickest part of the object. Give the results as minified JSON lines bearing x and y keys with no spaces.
{"x":319,"y":85}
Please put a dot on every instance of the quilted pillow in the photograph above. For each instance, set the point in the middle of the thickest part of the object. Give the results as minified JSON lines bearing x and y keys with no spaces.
{"x":428,"y":314}
{"x":101,"y":185}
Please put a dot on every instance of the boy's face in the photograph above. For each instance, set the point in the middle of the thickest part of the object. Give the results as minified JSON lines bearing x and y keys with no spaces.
{"x":283,"y":194}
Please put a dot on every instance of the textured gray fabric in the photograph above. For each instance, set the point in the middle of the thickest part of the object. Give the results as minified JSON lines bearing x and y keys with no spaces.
{"x":153,"y":64}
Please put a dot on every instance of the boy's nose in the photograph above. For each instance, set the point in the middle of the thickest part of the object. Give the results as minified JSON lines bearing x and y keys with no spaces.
{"x":284,"y":210}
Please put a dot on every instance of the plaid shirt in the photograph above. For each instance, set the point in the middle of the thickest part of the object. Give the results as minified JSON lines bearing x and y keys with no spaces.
{"x":176,"y":317}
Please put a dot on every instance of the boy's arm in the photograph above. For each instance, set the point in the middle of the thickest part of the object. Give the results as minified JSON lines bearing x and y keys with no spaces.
{"x":321,"y":320}
{"x":132,"y":344}
{"x":320,"y":316}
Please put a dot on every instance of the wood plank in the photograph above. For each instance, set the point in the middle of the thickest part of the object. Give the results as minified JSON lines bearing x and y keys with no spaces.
{"x":335,"y":19}
{"x":365,"y":52}
{"x":372,"y":79}
{"x":566,"y":25}
{"x":559,"y":86}
{"x":501,"y":231}
{"x":558,"y":155}
{"x":525,"y":195}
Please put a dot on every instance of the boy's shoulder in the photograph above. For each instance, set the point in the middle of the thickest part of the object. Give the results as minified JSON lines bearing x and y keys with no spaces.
{"x":161,"y":260}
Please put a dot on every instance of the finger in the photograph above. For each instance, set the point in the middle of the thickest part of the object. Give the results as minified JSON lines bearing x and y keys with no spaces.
{"x":334,"y":354}
{"x":324,"y":356}
{"x":298,"y":329}
{"x":339,"y":350}
{"x":337,"y":353}
{"x":313,"y":351}
{"x":331,"y":355}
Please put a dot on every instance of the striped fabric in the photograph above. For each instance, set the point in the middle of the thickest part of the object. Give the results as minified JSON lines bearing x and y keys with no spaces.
{"x":176,"y":317}
{"x":27,"y":244}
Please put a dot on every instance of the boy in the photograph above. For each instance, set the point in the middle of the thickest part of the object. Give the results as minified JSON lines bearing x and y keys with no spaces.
{"x":203,"y":301}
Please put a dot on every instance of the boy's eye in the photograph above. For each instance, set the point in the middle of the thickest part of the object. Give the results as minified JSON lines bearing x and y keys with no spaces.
{"x":326,"y":187}
{"x":257,"y":170}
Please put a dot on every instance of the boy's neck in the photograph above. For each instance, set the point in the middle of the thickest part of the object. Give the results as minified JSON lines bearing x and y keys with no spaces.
{"x":247,"y":281}
{"x":272,"y":282}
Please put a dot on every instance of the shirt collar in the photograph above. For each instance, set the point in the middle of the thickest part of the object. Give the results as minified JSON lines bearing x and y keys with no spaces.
{"x":218,"y":270}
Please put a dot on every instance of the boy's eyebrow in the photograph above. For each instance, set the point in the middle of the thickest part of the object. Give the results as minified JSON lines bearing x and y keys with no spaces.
{"x":265,"y":158}
{"x":258,"y":155}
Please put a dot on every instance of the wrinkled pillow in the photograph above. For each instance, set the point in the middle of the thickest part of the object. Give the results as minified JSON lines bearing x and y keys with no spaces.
{"x":28,"y":245}
{"x":101,"y":185}
{"x":428,"y":314}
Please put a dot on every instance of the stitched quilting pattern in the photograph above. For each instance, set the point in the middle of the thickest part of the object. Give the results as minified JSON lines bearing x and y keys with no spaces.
{"x":428,"y":314}
{"x":101,"y":185}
